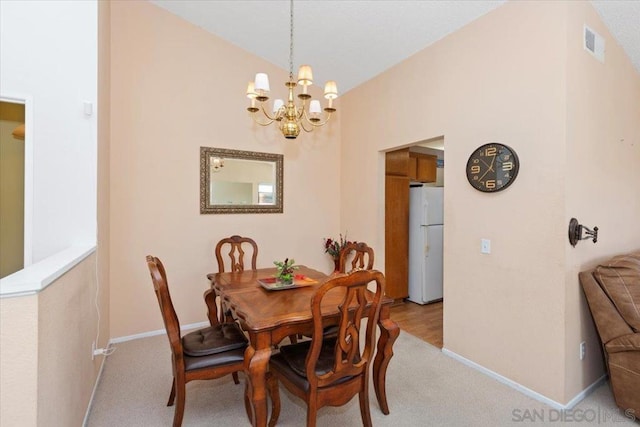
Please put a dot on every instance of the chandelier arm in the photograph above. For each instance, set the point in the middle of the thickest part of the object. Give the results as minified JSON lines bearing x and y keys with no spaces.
{"x":272,"y":118}
{"x":317,"y":124}
{"x":253,"y":116}
{"x":302,"y":125}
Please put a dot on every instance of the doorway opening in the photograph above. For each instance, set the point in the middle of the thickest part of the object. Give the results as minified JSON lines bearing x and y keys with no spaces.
{"x":15,"y":184}
{"x":414,"y":226}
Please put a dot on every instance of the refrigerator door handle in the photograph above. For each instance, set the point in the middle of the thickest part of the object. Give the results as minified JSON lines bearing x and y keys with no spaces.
{"x":425,"y":230}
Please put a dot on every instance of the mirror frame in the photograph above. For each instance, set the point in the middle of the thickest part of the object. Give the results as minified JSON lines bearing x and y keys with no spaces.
{"x":206,"y":153}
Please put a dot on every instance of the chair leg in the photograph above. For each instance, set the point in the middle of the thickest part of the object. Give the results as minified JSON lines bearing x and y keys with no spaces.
{"x":293,"y":339}
{"x":312,"y":414}
{"x":365,"y":413}
{"x":274,"y":392}
{"x":180,"y":394}
{"x":235,"y":378}
{"x":172,"y":396}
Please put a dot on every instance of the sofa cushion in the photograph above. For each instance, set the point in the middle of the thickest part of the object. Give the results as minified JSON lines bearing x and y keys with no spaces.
{"x":620,"y":279}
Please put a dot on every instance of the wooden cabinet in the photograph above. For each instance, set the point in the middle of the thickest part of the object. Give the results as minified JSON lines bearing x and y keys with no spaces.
{"x":416,"y":166}
{"x":422,"y":167}
{"x":396,"y":236}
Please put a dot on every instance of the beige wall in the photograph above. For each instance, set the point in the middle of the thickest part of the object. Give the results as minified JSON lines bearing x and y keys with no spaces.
{"x":11,"y":198}
{"x":503,"y":78}
{"x":46,"y":370}
{"x":19,"y":361}
{"x":67,"y":322}
{"x":603,"y":177}
{"x":174,"y":89}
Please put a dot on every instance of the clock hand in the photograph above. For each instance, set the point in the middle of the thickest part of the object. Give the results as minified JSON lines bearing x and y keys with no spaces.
{"x":490,"y":166}
{"x":492,"y":163}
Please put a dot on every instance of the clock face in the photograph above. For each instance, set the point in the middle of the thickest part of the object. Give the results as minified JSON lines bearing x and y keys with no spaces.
{"x":492,"y":167}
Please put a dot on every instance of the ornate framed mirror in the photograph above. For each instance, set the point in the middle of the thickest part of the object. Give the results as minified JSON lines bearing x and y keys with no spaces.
{"x":235,"y":181}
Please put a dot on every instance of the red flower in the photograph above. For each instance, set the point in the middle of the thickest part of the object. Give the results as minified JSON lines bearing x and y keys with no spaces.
{"x":333,"y":247}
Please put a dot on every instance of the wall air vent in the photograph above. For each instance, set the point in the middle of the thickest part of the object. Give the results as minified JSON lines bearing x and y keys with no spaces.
{"x":594,"y":43}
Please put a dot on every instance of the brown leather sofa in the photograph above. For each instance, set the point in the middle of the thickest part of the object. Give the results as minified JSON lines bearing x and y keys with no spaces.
{"x":613,"y":294}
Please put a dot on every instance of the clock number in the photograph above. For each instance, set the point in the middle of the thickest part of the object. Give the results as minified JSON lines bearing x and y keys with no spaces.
{"x":507,"y":166}
{"x":475,"y":169}
{"x":490,"y":184}
{"x":490,"y":151}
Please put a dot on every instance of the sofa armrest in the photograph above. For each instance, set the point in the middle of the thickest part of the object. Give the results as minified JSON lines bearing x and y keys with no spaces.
{"x":609,"y":323}
{"x":629,"y":342}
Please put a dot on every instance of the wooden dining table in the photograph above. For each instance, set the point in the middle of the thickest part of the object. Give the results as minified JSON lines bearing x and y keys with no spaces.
{"x":269,"y":316}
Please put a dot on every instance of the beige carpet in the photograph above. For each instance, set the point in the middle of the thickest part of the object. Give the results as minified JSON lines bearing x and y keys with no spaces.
{"x":424,"y":387}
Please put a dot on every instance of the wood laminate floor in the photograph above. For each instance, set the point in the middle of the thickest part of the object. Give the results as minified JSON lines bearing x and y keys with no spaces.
{"x":422,"y":321}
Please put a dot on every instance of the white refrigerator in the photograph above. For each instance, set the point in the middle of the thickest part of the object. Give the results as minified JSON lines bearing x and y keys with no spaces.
{"x":426,"y":223}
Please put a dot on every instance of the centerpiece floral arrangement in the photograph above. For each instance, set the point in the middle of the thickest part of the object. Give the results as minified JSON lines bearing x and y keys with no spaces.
{"x":285,"y":270}
{"x":333,"y":247}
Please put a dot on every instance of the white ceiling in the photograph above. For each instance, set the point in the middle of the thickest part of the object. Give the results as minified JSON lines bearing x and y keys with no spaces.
{"x":351,"y":41}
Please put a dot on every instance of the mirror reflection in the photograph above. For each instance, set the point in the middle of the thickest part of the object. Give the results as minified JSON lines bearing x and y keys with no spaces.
{"x":234,"y":181}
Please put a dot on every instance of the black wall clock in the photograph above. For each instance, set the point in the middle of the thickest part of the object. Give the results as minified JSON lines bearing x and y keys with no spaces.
{"x":492,"y":167}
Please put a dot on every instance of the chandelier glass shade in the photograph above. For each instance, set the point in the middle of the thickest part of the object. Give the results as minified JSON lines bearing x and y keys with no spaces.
{"x":292,"y":115}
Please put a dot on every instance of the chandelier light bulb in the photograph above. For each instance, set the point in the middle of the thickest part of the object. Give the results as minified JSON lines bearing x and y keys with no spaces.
{"x":305,"y":75}
{"x":314,"y":107}
{"x":251,"y":91}
{"x":262,"y":82}
{"x":277,"y":105}
{"x":330,"y":90}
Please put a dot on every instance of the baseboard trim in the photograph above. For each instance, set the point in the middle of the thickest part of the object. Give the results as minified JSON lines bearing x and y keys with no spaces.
{"x":584,"y":393}
{"x":93,"y":393}
{"x":157,"y":332}
{"x":522,"y":389}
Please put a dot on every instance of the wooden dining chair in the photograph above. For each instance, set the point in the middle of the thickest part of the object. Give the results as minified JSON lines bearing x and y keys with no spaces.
{"x":362,"y":258}
{"x":330,"y":371}
{"x":236,"y":262}
{"x":236,"y":254}
{"x":207,"y":353}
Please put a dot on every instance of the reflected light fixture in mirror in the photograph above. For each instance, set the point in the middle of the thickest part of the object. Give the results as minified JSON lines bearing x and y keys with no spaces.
{"x":216,"y":164}
{"x":235,"y":181}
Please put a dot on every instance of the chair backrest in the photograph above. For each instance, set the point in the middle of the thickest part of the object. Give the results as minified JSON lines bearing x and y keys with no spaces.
{"x":349,"y":293}
{"x":236,"y":252}
{"x":169,"y":316}
{"x":363,"y":257}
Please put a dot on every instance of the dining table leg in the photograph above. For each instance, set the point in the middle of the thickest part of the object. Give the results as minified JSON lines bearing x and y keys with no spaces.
{"x":256,"y":363}
{"x":389,"y":332}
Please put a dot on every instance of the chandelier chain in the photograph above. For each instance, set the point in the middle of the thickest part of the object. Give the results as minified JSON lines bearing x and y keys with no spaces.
{"x":291,"y":42}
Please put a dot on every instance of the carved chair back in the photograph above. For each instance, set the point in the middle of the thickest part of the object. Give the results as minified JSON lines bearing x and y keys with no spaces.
{"x":236,"y":253}
{"x":362,"y":259}
{"x":169,"y":316}
{"x":349,"y":360}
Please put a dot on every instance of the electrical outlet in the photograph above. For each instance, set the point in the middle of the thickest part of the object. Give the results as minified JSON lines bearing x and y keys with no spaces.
{"x":583,"y":350}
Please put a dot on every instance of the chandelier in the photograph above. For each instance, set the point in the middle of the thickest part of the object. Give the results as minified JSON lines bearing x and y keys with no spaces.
{"x":291,"y":117}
